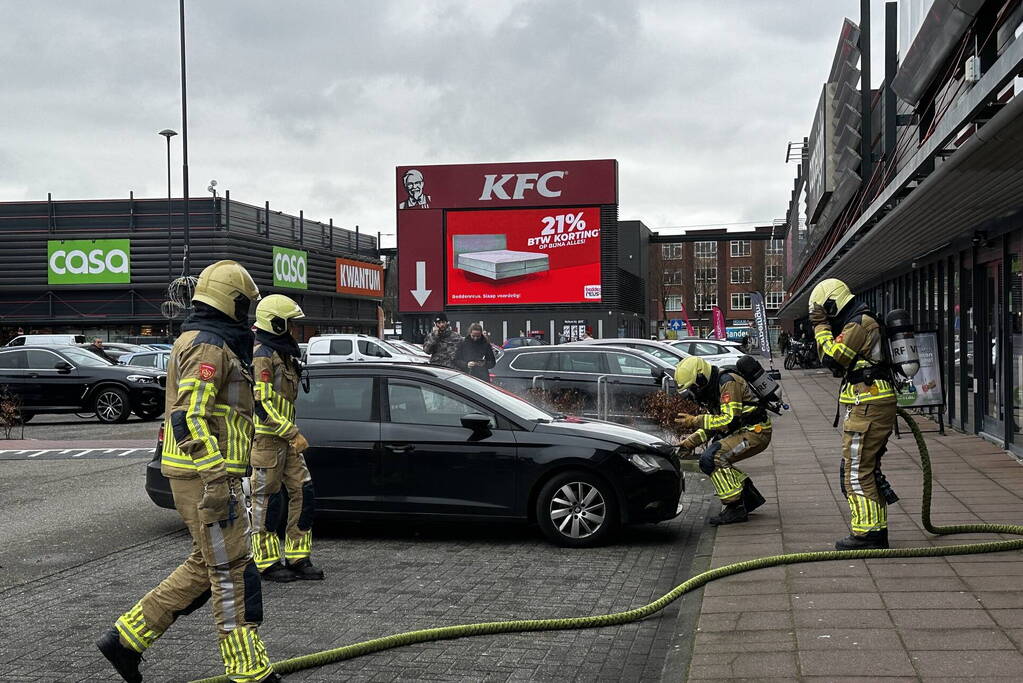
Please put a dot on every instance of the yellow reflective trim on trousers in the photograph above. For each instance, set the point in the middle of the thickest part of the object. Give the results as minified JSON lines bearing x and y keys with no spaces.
{"x":244,"y":655}
{"x":266,"y":549}
{"x":133,"y":628}
{"x":866,"y":514}
{"x":727,"y":481}
{"x":298,"y":549}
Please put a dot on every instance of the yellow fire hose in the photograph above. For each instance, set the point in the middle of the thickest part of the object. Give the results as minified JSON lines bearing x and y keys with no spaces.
{"x":464,"y":630}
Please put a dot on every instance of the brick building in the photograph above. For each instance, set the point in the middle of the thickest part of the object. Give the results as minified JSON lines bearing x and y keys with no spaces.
{"x":700,"y":269}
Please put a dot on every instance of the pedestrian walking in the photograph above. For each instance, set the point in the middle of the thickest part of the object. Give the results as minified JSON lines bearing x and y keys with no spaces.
{"x":475,"y":355}
{"x":442,"y":342}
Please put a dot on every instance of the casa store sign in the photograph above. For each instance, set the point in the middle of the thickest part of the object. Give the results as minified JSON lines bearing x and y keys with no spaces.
{"x":88,"y":262}
{"x":481,"y":186}
{"x":359,"y":278}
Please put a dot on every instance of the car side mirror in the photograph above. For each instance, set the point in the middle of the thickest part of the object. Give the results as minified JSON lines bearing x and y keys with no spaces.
{"x":658,"y":373}
{"x":63,"y":366}
{"x":477,"y":422}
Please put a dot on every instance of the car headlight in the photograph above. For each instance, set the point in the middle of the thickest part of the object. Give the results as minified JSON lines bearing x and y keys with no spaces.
{"x":142,"y":379}
{"x":645,"y":463}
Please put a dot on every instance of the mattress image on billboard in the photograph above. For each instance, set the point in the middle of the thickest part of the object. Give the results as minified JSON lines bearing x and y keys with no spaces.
{"x":523,"y":256}
{"x":486,"y":256}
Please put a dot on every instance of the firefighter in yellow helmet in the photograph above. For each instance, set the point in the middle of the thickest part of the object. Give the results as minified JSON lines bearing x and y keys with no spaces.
{"x":208,"y":434}
{"x":735,"y":415}
{"x":277,"y":450}
{"x":850,"y":342}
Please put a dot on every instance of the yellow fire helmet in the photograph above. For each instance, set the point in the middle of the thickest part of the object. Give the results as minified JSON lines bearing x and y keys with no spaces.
{"x":832,"y":295}
{"x":274,"y":312}
{"x":227,"y":287}
{"x":692,"y":372}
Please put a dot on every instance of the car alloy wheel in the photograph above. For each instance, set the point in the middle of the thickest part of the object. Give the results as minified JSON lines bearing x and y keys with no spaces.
{"x":112,"y":405}
{"x":577,"y":510}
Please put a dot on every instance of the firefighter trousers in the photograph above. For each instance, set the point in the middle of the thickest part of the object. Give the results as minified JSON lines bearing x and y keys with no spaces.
{"x":274,"y":464}
{"x":728,"y":480}
{"x":220,"y":569}
{"x":865,"y":433}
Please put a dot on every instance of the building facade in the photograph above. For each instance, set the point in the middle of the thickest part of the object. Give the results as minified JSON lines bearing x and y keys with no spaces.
{"x":691,"y":273}
{"x":102,"y":267}
{"x":936,"y":227}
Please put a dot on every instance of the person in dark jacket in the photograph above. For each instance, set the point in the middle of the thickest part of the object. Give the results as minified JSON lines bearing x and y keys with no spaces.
{"x":475,"y":355}
{"x":442,"y":342}
{"x":97,"y":347}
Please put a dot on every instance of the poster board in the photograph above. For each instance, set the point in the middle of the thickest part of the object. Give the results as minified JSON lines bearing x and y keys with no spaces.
{"x":927,"y":389}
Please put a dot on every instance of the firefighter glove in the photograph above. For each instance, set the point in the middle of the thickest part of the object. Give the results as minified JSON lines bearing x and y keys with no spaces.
{"x":690,"y":442}
{"x":298,"y":443}
{"x":689,"y":421}
{"x":818,"y":316}
{"x":217,"y":504}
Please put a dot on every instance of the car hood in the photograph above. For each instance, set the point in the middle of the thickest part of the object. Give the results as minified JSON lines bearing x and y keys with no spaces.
{"x":617,"y":434}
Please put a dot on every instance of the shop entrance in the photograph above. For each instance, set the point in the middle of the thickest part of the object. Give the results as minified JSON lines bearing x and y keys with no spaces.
{"x":987,"y":351}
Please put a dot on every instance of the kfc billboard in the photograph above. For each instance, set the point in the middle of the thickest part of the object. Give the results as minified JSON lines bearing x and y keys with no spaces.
{"x":523,"y":256}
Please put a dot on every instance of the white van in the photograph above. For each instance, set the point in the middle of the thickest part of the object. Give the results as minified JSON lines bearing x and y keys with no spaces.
{"x":47,"y":340}
{"x":341,"y":348}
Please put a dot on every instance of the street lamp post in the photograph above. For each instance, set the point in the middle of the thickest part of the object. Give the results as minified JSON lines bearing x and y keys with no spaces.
{"x":168,"y":133}
{"x":186,"y":270}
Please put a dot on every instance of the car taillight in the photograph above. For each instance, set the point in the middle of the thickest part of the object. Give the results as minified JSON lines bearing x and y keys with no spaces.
{"x":159,"y":435}
{"x":492,"y":377}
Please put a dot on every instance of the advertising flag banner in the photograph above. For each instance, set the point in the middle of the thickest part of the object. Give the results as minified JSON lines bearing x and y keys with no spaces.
{"x":88,"y":262}
{"x":685,"y":318}
{"x":291,"y":268}
{"x":523,"y":256}
{"x":760,"y":320}
{"x":719,"y":323}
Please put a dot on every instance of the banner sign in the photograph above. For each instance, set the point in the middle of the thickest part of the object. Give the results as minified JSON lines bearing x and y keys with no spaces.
{"x":291,"y":268}
{"x":927,"y":388}
{"x":685,"y":319}
{"x":719,"y":323}
{"x":359,"y":278}
{"x":523,"y":256}
{"x":88,"y":262}
{"x":760,"y":320}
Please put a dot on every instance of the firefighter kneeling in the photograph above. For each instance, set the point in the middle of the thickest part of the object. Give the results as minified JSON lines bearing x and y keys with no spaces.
{"x":740,"y":421}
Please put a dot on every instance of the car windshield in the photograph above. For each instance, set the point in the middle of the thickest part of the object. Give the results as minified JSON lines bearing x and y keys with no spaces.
{"x":86,"y":358}
{"x":506,"y":400}
{"x":393,"y":348}
{"x":669,"y":356}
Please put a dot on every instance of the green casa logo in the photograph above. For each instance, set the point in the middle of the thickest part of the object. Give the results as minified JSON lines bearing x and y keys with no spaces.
{"x":88,"y":262}
{"x":290,"y":268}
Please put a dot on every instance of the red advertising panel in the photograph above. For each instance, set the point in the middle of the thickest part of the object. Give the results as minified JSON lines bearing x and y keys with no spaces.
{"x":359,"y":278}
{"x":489,"y":186}
{"x":523,"y":256}
{"x":421,"y":262}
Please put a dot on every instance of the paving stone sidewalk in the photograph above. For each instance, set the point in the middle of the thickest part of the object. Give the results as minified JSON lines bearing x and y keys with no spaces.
{"x":919,"y":619}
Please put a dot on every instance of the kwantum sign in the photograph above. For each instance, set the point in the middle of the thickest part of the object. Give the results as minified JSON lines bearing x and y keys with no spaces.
{"x":362,"y":279}
{"x":88,"y":262}
{"x":291,"y":268}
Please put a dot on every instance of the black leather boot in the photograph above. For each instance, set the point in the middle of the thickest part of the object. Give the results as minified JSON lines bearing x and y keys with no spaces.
{"x":279,"y":573}
{"x":305,"y":570}
{"x":125,"y":660}
{"x":732,"y":513}
{"x":751,"y":498}
{"x":872,"y":540}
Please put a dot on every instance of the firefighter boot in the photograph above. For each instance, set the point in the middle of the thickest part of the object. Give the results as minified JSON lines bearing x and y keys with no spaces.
{"x":751,"y":498}
{"x":872,"y":540}
{"x":125,"y":660}
{"x":278,"y":573}
{"x":305,"y":570}
{"x":730,"y":514}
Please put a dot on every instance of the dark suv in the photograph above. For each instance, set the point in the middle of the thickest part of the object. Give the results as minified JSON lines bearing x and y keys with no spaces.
{"x":611,"y":382}
{"x":70,"y":379}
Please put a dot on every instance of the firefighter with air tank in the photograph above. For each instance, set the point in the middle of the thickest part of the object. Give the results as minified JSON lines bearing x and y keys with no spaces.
{"x":871,"y":359}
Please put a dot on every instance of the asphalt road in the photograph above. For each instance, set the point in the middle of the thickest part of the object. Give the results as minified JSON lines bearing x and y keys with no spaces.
{"x":73,"y":428}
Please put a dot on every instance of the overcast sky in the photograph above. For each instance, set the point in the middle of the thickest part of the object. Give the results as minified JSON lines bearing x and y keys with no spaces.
{"x":310,"y":104}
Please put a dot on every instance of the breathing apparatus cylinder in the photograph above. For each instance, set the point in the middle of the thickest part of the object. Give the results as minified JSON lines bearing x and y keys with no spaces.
{"x":763,"y":385}
{"x":902,"y":343}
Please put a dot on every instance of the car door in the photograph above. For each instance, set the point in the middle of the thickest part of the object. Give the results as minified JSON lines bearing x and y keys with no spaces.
{"x":632,"y":381}
{"x":14,"y":375}
{"x":56,"y":388}
{"x":451,"y":470}
{"x":339,"y":416}
{"x":574,"y":386}
{"x":371,"y":351}
{"x":715,"y":354}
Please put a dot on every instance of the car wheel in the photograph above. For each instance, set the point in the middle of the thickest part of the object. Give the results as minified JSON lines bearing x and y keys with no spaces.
{"x":148,"y":413}
{"x":577,"y":509}
{"x":790,"y":362}
{"x":111,"y":405}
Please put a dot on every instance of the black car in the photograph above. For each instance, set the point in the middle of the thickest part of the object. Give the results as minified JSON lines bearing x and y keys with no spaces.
{"x":573,"y":377}
{"x":70,"y":379}
{"x":422,"y":441}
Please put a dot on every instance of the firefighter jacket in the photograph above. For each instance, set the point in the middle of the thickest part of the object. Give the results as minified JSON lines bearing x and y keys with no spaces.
{"x":209,"y":408}
{"x":277,"y":379}
{"x":856,"y":350}
{"x":739,"y":410}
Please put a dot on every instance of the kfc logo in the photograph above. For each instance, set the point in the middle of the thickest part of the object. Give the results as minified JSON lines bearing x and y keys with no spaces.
{"x":417,"y":199}
{"x":495,"y":186}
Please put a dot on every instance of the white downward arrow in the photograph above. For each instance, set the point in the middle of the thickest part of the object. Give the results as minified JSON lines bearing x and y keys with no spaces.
{"x":420,"y":292}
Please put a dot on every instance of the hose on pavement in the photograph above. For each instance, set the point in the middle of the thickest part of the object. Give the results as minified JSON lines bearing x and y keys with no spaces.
{"x":518,"y":626}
